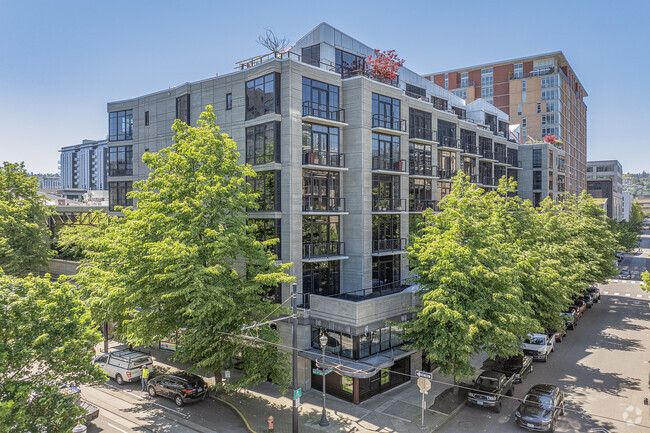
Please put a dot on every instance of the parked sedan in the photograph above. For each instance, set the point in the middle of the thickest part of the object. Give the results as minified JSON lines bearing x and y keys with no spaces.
{"x":181,"y":387}
{"x":625,"y":275}
{"x":540,"y":408}
{"x":570,"y":319}
{"x":560,"y":333}
{"x":520,"y":365}
{"x":595,"y":293}
{"x":580,"y":305}
{"x":589,"y":301}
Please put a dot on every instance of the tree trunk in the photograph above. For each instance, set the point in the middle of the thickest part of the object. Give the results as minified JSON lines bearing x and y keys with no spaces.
{"x":218,"y":383}
{"x":456,"y":389}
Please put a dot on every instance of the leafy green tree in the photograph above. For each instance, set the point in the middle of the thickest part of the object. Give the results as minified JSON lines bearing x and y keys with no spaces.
{"x":45,"y":342}
{"x":23,"y":216}
{"x":468,"y":279}
{"x":184,"y":262}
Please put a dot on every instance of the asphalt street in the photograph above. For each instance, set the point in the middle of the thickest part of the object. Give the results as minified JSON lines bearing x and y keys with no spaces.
{"x":602,"y":366}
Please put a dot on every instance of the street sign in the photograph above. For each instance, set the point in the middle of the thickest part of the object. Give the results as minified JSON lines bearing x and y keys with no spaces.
{"x":424,"y":374}
{"x":318,"y":372}
{"x":297,"y":393}
{"x":227,"y":374}
{"x":424,"y":385}
{"x":296,"y":402}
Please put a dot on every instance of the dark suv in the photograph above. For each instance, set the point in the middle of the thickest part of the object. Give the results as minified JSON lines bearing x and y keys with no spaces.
{"x":540,"y":408}
{"x":181,"y":387}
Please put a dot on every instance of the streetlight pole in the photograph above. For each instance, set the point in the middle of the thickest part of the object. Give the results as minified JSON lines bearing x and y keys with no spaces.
{"x":323,"y":419}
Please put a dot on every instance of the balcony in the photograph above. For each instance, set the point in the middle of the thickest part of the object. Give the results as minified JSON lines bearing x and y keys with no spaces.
{"x":377,"y":290}
{"x":349,"y":73}
{"x":323,"y":250}
{"x":465,"y":84}
{"x":469,"y":148}
{"x":448,"y":142}
{"x":383,"y":164}
{"x":487,"y":154}
{"x":323,"y":114}
{"x":388,"y":204}
{"x":258,"y":60}
{"x":500,"y":157}
{"x":538,"y":73}
{"x":473,"y":178}
{"x":487,"y":180}
{"x":422,"y":135}
{"x":514,"y":163}
{"x":388,"y":124}
{"x":446,"y":173}
{"x":388,"y":245}
{"x":416,"y":96}
{"x":422,"y":170}
{"x":318,"y":204}
{"x":323,"y":159}
{"x":420,"y":205}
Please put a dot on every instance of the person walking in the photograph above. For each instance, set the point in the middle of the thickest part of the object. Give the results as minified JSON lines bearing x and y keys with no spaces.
{"x":145,"y":377}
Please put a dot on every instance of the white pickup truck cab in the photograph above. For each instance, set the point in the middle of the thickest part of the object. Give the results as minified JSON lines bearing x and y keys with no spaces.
{"x":124,"y":365}
{"x":538,"y":346}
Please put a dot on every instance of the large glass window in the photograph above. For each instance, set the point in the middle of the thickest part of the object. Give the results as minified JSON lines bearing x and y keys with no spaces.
{"x":518,"y":70}
{"x":117,"y":192}
{"x":550,"y":94}
{"x":386,"y":152}
{"x":320,"y":100}
{"x":537,"y":158}
{"x":263,"y":143}
{"x":347,"y":64}
{"x":550,"y":81}
{"x":321,"y":278}
{"x":421,"y":159}
{"x":320,"y":146}
{"x":263,"y":96}
{"x":446,"y":164}
{"x":446,"y":133}
{"x":311,"y":55}
{"x":385,"y":186}
{"x":420,"y":194}
{"x":267,"y":186}
{"x":320,"y":236}
{"x":468,"y":140}
{"x":321,"y":191}
{"x":386,"y":270}
{"x":120,"y":161}
{"x":487,"y":91}
{"x":385,"y":233}
{"x":420,"y":124}
{"x":485,"y":147}
{"x":265,"y":229}
{"x":552,"y":106}
{"x":386,"y":112}
{"x":486,"y":77}
{"x":183,"y":108}
{"x":120,"y":125}
{"x":464,"y":80}
{"x":469,"y":167}
{"x":537,"y":179}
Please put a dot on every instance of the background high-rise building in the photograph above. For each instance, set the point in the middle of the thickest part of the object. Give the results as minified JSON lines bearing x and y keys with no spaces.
{"x":540,"y":93}
{"x":84,"y":166}
{"x":605,"y":180}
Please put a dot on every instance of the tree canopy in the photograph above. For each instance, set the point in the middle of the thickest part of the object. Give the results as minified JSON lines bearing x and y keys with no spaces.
{"x":23,"y":216}
{"x":184,"y":261}
{"x":46,"y":339}
{"x":492,"y":269}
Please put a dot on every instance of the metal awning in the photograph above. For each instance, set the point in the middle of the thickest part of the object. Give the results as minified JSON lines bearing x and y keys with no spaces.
{"x":362,"y":368}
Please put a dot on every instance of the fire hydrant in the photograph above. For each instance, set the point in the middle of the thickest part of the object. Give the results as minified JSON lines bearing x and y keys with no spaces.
{"x":270,"y":421}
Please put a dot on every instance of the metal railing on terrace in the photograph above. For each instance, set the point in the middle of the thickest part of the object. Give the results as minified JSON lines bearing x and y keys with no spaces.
{"x":388,"y":204}
{"x":360,"y":72}
{"x":388,"y":122}
{"x":377,"y":290}
{"x":322,"y":111}
{"x":388,"y":245}
{"x":447,"y":141}
{"x":487,"y":153}
{"x":416,"y":96}
{"x":469,"y":148}
{"x":421,"y":133}
{"x":388,"y":164}
{"x":263,"y":58}
{"x":323,"y":249}
{"x":420,"y":205}
{"x":323,"y":204}
{"x":536,"y":73}
{"x":422,"y":170}
{"x":446,"y":173}
{"x":465,"y":84}
{"x":322,"y":158}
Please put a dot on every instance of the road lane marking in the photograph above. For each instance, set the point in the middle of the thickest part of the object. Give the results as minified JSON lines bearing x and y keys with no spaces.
{"x":117,"y":428}
{"x":627,"y":294}
{"x":638,"y":296}
{"x":607,"y":293}
{"x":616,"y":293}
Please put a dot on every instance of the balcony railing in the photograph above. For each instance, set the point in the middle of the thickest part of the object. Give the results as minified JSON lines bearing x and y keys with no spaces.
{"x":537,"y":73}
{"x":323,"y":204}
{"x":469,"y":148}
{"x":258,"y":60}
{"x":422,"y":133}
{"x":388,"y":245}
{"x":388,"y":164}
{"x":416,"y":96}
{"x":440,"y":106}
{"x":314,"y":109}
{"x":420,"y":205}
{"x":487,"y":180}
{"x":514,"y":163}
{"x":500,"y":156}
{"x":388,"y":122}
{"x":561,"y":168}
{"x":446,"y":173}
{"x":347,"y":73}
{"x":388,"y":204}
{"x":465,"y":84}
{"x":323,"y":249}
{"x":487,"y":153}
{"x":377,"y":290}
{"x":418,"y":170}
{"x":447,"y":141}
{"x":325,"y":159}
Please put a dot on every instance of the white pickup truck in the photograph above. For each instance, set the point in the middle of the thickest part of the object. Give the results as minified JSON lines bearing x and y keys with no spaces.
{"x":538,"y":346}
{"x":124,"y":365}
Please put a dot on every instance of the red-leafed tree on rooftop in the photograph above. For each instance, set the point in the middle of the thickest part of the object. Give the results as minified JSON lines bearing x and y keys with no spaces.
{"x":384,"y":64}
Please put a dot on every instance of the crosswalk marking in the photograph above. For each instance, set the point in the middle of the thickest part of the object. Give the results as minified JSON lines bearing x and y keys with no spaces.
{"x":627,"y":294}
{"x":616,"y":293}
{"x":639,"y":296}
{"x":607,"y":293}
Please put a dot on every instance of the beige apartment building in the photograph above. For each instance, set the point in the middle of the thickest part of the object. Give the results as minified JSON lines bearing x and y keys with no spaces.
{"x":541,"y":93}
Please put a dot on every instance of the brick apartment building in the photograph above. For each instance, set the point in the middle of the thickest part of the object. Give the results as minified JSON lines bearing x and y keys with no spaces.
{"x":540,"y":93}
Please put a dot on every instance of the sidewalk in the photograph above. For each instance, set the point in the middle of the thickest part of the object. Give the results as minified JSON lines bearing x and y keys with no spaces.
{"x":395,"y":411}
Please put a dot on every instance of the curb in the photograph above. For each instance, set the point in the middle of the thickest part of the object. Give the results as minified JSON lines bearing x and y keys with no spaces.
{"x":237,"y":411}
{"x":450,"y":416}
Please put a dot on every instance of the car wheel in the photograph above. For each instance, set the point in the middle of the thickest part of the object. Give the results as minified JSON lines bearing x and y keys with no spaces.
{"x":562,"y":413}
{"x":553,"y":348}
{"x":545,"y":358}
{"x":497,"y":407}
{"x":178,"y":400}
{"x":118,"y":379}
{"x":552,"y":428}
{"x":531,"y":368}
{"x":511,"y":391}
{"x":152,"y":391}
{"x":559,"y":340}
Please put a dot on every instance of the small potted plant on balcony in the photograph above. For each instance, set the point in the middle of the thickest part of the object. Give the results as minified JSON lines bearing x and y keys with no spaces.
{"x":384,"y":65}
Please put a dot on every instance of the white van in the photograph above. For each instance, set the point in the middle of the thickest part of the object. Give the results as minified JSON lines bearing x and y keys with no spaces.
{"x":124,"y":365}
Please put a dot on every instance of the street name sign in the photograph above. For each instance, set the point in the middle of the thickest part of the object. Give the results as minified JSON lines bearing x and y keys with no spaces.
{"x":424,"y":374}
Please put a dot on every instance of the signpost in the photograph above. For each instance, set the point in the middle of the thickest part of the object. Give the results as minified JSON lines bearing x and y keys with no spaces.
{"x":319,"y":372}
{"x":296,"y":397}
{"x":424,"y":383}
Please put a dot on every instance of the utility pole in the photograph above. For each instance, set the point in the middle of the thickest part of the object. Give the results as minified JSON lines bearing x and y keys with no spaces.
{"x":105,"y":337}
{"x":294,"y":346}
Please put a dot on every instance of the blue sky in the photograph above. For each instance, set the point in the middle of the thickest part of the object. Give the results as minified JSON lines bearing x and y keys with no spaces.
{"x":63,"y":61}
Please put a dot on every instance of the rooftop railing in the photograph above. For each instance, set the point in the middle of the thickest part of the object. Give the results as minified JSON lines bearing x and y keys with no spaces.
{"x":377,"y":290}
{"x":258,"y":60}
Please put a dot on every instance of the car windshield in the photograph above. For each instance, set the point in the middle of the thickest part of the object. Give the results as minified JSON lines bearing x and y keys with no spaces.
{"x":537,"y":400}
{"x":513,"y":363}
{"x":488,"y":381}
{"x":568,"y":315}
{"x":535,"y":340}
